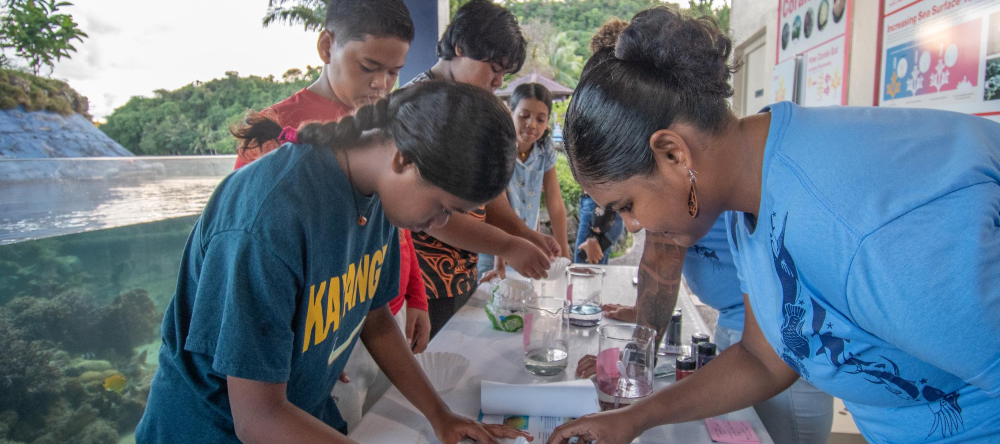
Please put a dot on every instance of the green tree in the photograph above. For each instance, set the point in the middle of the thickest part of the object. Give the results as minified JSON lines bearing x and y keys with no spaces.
{"x":701,"y":8}
{"x":311,"y":14}
{"x":37,"y":33}
{"x":195,"y":118}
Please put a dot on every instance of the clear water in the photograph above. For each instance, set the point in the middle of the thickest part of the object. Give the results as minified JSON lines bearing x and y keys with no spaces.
{"x":620,"y":392}
{"x":585,"y":315}
{"x":80,"y":322}
{"x":546,"y":361}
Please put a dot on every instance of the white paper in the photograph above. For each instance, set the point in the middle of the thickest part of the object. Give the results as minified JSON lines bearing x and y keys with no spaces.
{"x":558,"y":399}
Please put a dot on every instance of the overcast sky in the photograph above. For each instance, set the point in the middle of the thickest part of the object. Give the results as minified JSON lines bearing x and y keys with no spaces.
{"x":137,"y":46}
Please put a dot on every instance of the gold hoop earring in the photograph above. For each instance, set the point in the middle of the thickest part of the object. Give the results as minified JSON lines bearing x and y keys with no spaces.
{"x":693,"y":195}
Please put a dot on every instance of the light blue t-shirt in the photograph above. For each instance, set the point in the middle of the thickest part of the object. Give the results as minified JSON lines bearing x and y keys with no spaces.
{"x":711,"y":275}
{"x":873,"y":267}
{"x":524,"y":192}
{"x":276,"y":281}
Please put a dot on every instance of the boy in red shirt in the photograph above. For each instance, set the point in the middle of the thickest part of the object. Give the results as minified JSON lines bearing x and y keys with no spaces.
{"x":363,"y":47}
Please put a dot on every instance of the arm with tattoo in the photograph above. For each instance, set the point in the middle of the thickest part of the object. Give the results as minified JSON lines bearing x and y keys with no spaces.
{"x":659,"y":280}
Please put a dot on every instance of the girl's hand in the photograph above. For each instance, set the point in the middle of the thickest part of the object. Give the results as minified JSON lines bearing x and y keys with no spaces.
{"x":587,"y":367}
{"x":592,"y":250}
{"x":418,"y":329}
{"x":566,"y":252}
{"x":526,"y":258}
{"x":612,"y":427}
{"x":546,"y":243}
{"x":453,"y":428}
{"x":499,"y":270}
{"x":624,"y":313}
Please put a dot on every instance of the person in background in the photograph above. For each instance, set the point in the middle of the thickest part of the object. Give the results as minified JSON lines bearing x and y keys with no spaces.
{"x":481,"y":44}
{"x":534,"y":173}
{"x":363,"y":46}
{"x":277,"y":284}
{"x":844,"y":228}
{"x":598,"y":229}
{"x":598,"y":232}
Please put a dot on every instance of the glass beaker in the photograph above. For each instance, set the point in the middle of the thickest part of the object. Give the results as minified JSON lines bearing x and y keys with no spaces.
{"x":624,"y":365}
{"x":546,"y":340}
{"x":584,"y":293}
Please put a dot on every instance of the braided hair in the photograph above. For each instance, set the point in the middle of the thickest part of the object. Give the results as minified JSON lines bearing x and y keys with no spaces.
{"x":460,"y":137}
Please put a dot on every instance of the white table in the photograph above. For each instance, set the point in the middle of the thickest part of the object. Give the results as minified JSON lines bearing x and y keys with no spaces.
{"x":498,"y":356}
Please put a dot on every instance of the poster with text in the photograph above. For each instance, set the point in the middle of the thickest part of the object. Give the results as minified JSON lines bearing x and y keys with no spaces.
{"x":824,"y":77}
{"x":942,"y":54}
{"x":814,"y":28}
{"x":783,"y":82}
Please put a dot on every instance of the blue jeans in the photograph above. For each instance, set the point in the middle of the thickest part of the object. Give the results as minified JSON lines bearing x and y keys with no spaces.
{"x":586,"y":212}
{"x":803,"y":414}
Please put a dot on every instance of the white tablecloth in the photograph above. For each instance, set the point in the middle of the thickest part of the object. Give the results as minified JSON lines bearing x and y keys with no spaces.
{"x":498,"y":356}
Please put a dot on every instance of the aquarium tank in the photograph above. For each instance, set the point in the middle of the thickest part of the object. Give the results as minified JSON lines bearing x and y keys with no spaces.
{"x":89,"y":254}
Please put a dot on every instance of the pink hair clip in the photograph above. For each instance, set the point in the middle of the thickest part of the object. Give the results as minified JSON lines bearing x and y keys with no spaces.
{"x":288,"y":134}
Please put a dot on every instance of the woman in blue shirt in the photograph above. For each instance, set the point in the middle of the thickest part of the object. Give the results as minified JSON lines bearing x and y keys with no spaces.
{"x":866,"y":239}
{"x":534,"y":172}
{"x":295,"y":258}
{"x":802,"y":414}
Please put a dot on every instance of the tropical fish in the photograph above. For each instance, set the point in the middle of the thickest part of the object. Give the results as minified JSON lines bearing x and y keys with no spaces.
{"x":115,"y":383}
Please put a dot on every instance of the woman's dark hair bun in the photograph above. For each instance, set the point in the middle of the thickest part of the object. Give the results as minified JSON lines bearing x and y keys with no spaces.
{"x":607,"y":35}
{"x":691,"y":53}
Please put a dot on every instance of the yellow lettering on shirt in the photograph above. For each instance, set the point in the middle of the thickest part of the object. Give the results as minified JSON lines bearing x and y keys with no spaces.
{"x":342,"y":293}
{"x":333,"y":305}
{"x":362,"y":281}
{"x":376,"y":270}
{"x":350,"y":285}
{"x":314,"y":317}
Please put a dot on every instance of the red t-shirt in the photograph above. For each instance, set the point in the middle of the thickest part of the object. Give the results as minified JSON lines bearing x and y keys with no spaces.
{"x":306,"y":106}
{"x":411,"y":285}
{"x":302,"y":107}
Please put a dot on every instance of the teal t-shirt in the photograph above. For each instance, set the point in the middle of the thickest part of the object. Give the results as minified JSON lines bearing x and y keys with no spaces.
{"x":873,"y":266}
{"x":275,"y":284}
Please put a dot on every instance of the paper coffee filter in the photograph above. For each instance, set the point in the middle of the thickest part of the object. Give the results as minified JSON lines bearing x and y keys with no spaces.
{"x":511,"y":292}
{"x":558,"y":267}
{"x":443,"y":369}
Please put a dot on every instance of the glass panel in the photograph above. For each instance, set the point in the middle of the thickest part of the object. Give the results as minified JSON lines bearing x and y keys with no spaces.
{"x":89,"y":254}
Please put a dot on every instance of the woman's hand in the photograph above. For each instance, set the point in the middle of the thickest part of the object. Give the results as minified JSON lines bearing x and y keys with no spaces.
{"x":611,"y":427}
{"x":452,"y":428}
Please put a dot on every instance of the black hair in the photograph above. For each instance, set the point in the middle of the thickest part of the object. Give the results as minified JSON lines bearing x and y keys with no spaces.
{"x":607,"y":35}
{"x":666,"y":68}
{"x":460,"y":137}
{"x":535,"y":91}
{"x":354,"y":19}
{"x":603,"y":43}
{"x":486,"y":32}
